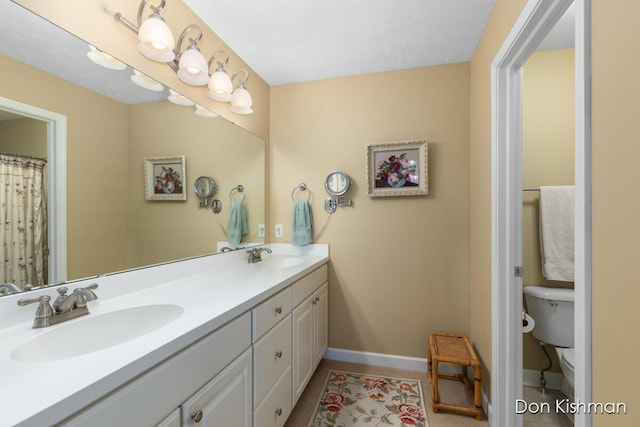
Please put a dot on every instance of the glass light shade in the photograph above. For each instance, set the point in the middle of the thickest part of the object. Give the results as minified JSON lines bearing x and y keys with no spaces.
{"x":241,"y":101}
{"x":192,"y":68}
{"x":204,"y":112}
{"x":220,"y":86}
{"x":155,"y":39}
{"x":105,"y":60}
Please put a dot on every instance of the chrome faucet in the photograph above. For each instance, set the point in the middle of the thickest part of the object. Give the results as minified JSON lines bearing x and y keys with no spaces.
{"x":9,"y":288}
{"x":77,"y":299}
{"x":225,"y":249}
{"x":254,"y":254}
{"x":65,"y":307}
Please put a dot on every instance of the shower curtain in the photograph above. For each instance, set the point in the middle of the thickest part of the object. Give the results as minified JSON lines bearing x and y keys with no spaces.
{"x":23,"y":221}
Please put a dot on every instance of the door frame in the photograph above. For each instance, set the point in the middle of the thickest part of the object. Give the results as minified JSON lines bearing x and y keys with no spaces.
{"x":537,"y":18}
{"x":57,"y":185}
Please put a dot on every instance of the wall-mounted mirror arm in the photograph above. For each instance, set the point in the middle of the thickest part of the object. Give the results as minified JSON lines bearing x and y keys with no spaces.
{"x":330,"y":205}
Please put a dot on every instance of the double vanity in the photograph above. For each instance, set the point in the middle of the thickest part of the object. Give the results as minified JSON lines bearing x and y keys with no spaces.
{"x":210,"y":338}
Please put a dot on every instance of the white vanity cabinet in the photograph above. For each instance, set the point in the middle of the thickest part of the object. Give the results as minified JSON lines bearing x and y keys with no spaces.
{"x":310,"y":327}
{"x":225,"y":400}
{"x":151,"y":398}
{"x":272,"y":360}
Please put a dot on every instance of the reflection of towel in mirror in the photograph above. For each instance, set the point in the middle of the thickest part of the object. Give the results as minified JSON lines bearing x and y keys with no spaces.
{"x":237,"y":223}
{"x":302,"y":223}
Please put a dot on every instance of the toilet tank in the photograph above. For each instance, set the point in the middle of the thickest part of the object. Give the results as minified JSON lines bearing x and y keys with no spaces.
{"x":552,"y":312}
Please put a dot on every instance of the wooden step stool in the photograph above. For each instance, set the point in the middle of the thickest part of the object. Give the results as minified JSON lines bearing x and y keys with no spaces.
{"x":456,"y":350}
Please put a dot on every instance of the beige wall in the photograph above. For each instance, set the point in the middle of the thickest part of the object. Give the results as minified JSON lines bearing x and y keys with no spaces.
{"x":161,"y":230}
{"x":616,"y":228}
{"x":96,"y":161}
{"x":548,"y":159}
{"x":399,"y":265}
{"x":24,"y":136}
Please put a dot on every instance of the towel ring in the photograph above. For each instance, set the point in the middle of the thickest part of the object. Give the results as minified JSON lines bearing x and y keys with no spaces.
{"x":239,"y":189}
{"x":301,"y":187}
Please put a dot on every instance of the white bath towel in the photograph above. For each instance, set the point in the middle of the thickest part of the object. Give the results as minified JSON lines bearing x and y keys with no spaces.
{"x":557,"y":232}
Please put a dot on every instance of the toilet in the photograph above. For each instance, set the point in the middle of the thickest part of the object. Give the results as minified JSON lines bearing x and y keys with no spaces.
{"x":552,"y":311}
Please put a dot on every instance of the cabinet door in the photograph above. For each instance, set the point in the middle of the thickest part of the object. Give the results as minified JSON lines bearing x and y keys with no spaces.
{"x":321,"y":320}
{"x":303,"y":354}
{"x":173,"y":420}
{"x":224,"y":401}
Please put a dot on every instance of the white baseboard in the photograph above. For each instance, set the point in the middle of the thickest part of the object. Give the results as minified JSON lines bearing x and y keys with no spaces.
{"x":378,"y":359}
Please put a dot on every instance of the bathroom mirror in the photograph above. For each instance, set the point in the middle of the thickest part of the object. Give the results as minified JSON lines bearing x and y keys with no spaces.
{"x":109,"y":226}
{"x":205,"y":187}
{"x":337,"y":184}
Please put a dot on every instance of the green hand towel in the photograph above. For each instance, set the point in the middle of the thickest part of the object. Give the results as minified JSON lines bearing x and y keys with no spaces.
{"x":237,"y":223}
{"x":302,"y":223}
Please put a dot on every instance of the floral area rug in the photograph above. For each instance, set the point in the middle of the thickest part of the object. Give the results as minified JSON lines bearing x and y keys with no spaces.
{"x":352,"y":399}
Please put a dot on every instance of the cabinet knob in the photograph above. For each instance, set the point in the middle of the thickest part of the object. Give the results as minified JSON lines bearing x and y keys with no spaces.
{"x":279,"y":411}
{"x":197,"y":416}
{"x":279,"y":354}
{"x":278,"y":310}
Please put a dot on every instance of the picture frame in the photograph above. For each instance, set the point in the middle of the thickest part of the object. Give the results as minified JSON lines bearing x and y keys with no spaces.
{"x":165,"y":178}
{"x":397,"y":169}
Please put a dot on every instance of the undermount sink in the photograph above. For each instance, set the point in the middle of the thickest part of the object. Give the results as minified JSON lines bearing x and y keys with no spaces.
{"x":92,"y":333}
{"x":277,"y":262}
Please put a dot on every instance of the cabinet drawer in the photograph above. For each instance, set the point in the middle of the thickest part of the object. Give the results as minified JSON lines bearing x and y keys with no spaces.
{"x":305,"y":286}
{"x":271,"y":357}
{"x":276,"y":407}
{"x":270,"y":312}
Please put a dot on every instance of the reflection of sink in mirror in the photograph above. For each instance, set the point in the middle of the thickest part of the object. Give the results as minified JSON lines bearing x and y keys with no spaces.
{"x":281,"y":262}
{"x":94,"y":333}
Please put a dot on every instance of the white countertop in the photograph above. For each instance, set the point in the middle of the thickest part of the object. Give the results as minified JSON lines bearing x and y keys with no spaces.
{"x":212,"y":290}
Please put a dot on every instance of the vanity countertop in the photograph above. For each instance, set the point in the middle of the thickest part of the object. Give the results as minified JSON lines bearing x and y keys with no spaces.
{"x":212,"y":290}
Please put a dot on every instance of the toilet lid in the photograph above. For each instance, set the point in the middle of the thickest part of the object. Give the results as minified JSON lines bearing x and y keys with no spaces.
{"x":568,"y":355}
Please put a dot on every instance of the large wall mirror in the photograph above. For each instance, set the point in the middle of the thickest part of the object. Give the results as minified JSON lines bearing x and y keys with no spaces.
{"x":110,"y":130}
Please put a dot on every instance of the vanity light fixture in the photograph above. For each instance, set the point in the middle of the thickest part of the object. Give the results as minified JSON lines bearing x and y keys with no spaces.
{"x":156,"y":42}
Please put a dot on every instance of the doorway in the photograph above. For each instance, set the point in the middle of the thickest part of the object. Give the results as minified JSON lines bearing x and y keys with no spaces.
{"x":534,"y":23}
{"x":57,"y":187}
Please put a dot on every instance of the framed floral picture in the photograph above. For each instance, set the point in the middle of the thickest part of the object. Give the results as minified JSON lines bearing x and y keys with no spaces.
{"x":164,"y":178}
{"x":397,"y":169}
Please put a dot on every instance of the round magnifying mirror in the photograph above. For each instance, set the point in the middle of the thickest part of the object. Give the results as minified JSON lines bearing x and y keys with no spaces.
{"x":204,"y":187}
{"x":337,"y":184}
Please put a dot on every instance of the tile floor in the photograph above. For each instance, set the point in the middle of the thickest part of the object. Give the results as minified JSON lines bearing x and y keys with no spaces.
{"x":544,"y":418}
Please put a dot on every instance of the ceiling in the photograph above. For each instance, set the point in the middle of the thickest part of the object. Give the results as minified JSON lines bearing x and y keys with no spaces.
{"x":289,"y":41}
{"x":284,"y":41}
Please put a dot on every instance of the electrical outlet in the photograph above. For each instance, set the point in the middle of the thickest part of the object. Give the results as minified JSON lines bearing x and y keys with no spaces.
{"x":279,"y":230}
{"x":261,"y":230}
